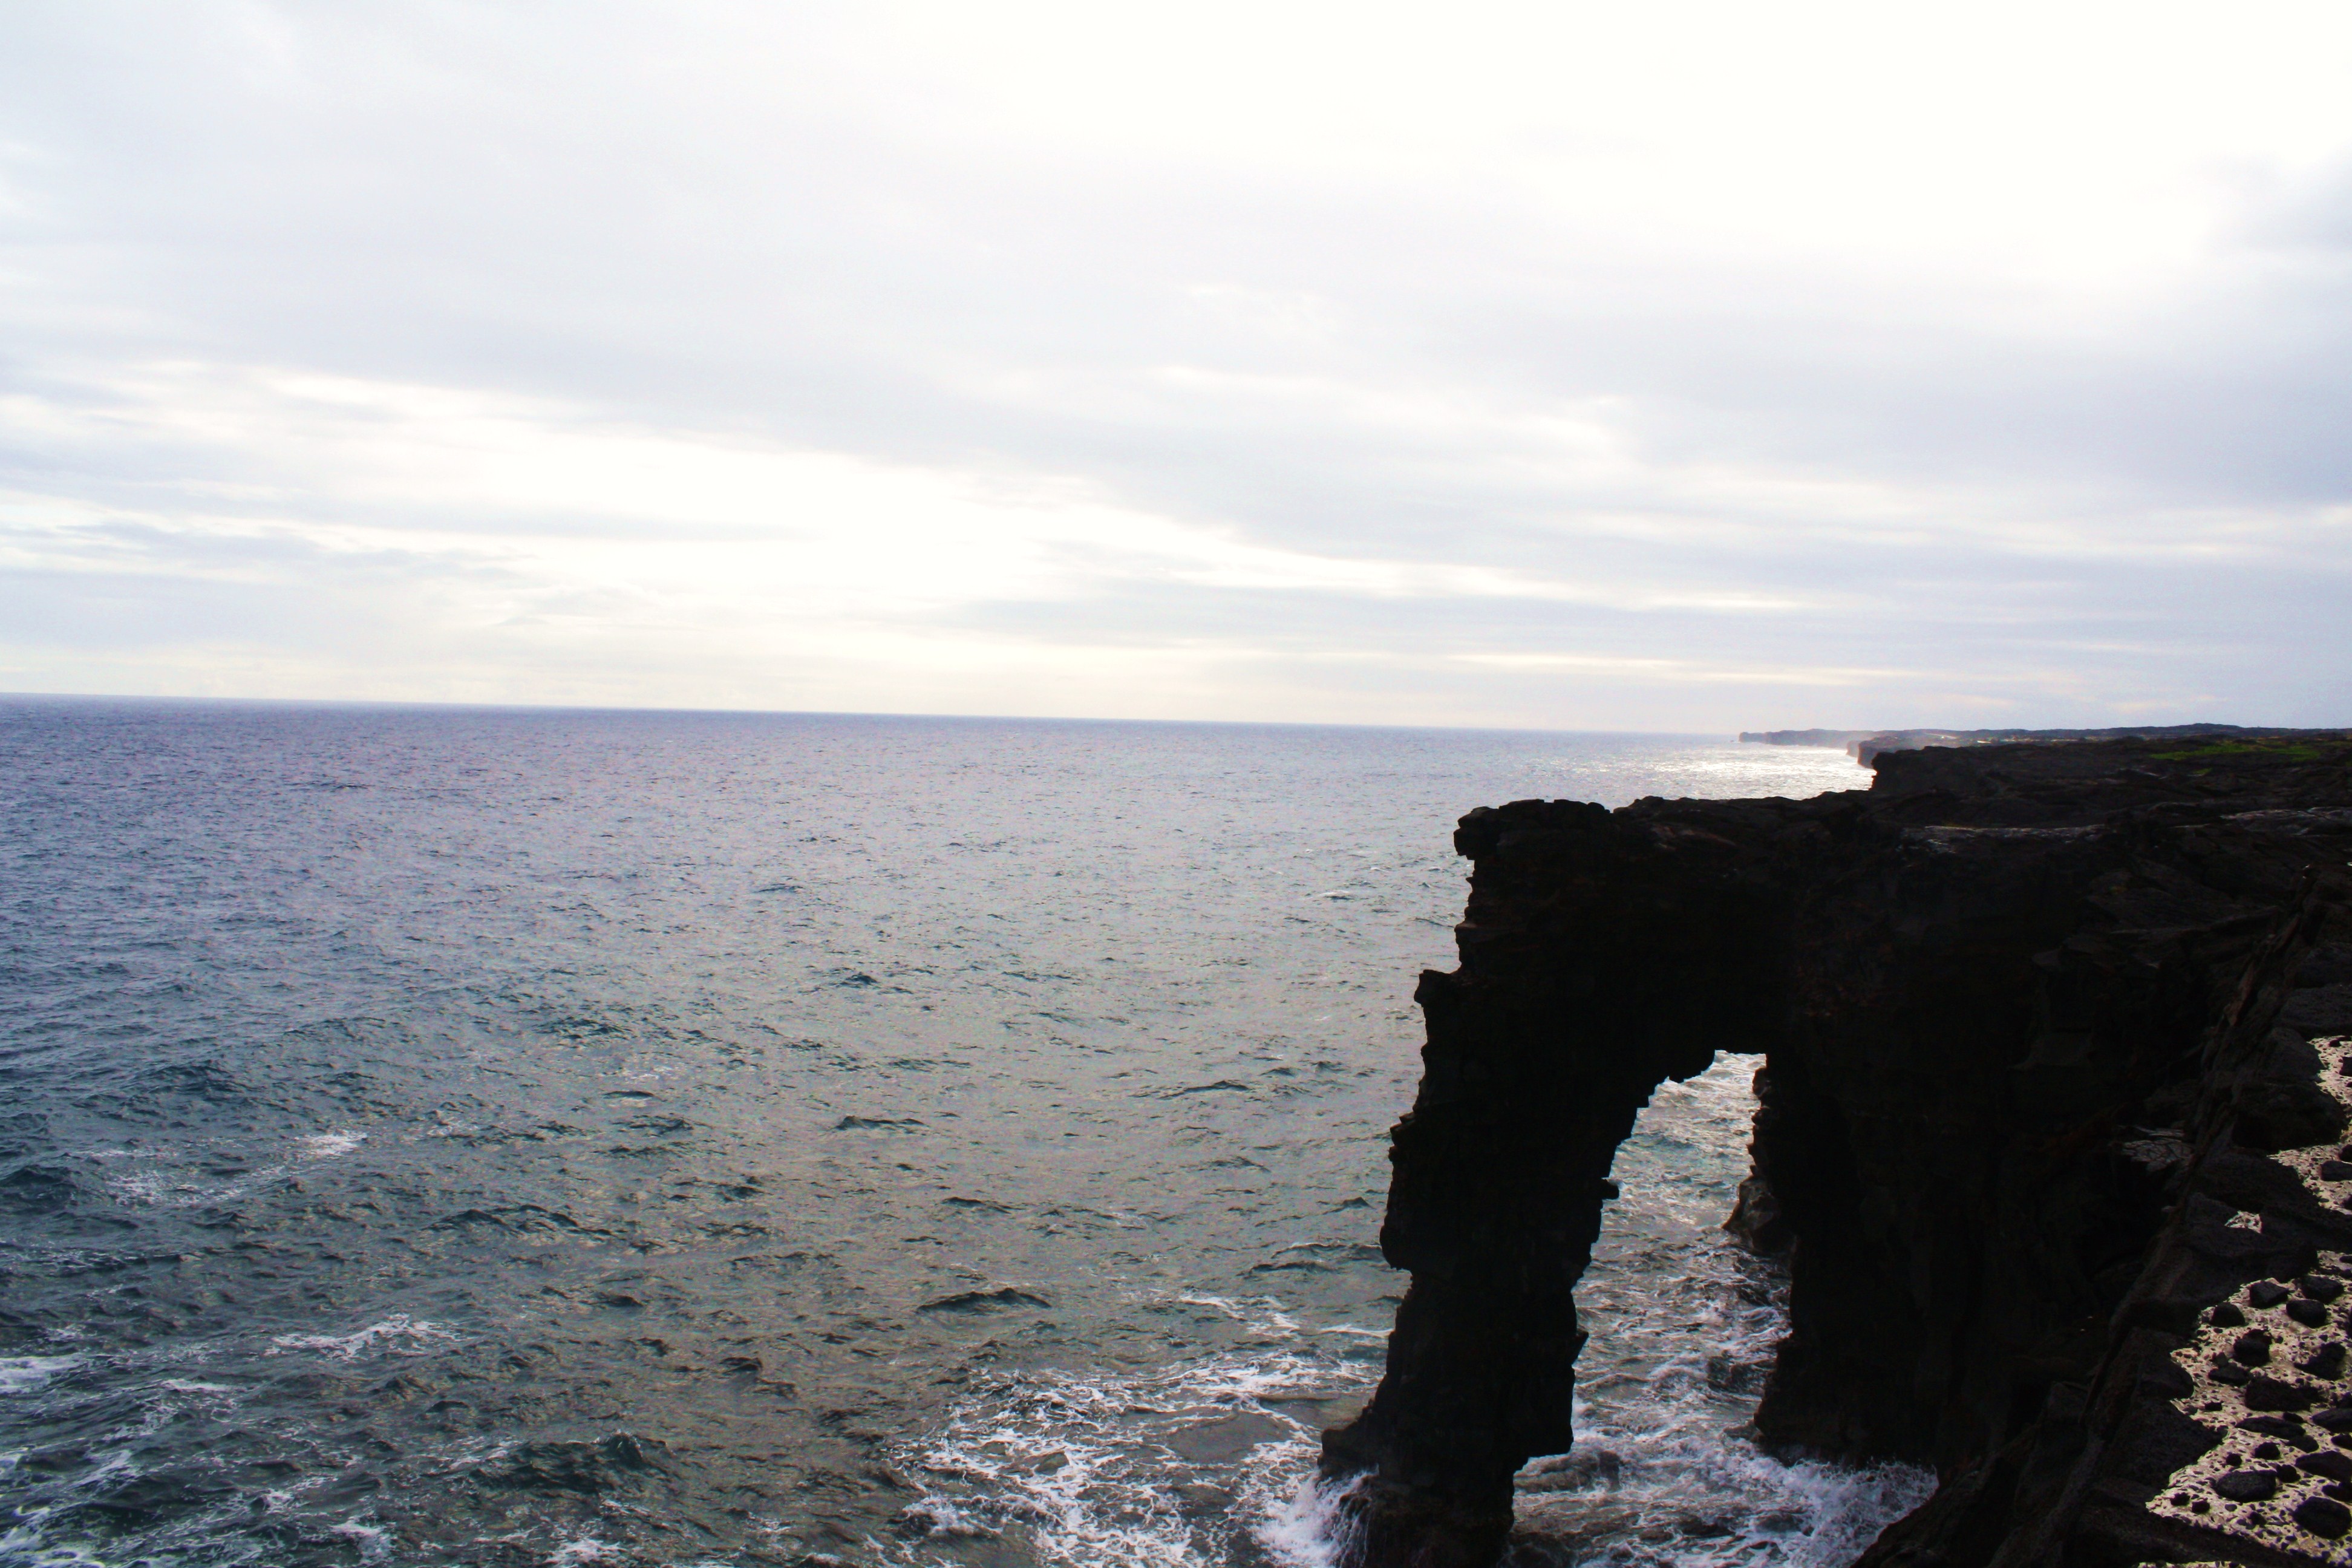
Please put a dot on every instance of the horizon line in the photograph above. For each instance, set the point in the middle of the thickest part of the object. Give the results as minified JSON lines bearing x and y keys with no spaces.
{"x":430,"y":705}
{"x":435,"y":705}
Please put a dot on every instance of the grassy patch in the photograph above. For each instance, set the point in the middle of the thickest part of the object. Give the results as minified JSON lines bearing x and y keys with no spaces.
{"x":2282,"y":750}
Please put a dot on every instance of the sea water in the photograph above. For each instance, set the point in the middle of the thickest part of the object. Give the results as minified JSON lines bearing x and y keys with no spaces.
{"x":545,"y":1137}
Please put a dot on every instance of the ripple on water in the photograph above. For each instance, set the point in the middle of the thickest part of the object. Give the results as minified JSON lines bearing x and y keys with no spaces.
{"x":376,"y":1159}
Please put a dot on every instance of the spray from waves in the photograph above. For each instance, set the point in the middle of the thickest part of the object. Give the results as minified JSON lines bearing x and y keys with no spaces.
{"x":398,"y":1334}
{"x":331,"y":1145}
{"x":24,"y":1373}
{"x":1213,"y":1462}
{"x":1316,"y":1528}
{"x":1210,"y":1462}
{"x":1661,"y":1498}
{"x":1666,"y":1471}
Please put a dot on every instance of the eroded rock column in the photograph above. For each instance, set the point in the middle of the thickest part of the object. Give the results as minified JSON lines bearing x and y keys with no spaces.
{"x":1600,"y":957}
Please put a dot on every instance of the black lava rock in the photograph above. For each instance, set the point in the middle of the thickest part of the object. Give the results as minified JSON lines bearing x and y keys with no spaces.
{"x":2270,"y":1393}
{"x":2082,"y":937}
{"x":2276,"y":1114}
{"x":2331,"y":1464}
{"x":2323,"y":1518}
{"x":2282,"y":1427}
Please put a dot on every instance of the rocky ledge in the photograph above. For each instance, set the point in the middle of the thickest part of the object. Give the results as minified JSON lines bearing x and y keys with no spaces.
{"x":2052,"y":1123}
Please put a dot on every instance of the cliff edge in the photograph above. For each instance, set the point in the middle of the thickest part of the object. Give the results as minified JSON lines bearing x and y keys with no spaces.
{"x":2050,"y":1121}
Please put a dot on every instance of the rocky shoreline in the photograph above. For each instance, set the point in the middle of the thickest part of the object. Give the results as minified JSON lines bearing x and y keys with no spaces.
{"x":1864,"y":745}
{"x":2051,"y":1125}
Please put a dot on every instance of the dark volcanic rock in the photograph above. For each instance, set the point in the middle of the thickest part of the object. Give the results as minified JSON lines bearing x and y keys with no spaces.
{"x":1756,"y":1219}
{"x":2276,"y":1114}
{"x":2276,"y":1394}
{"x":2333,"y":1464}
{"x":2017,"y":1005}
{"x":2322,"y":1516}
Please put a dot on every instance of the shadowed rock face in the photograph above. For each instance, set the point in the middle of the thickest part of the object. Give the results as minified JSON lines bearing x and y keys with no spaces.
{"x":2019,"y":1007}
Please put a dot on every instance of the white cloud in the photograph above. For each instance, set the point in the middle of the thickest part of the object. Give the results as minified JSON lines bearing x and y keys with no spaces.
{"x":1666,"y":366}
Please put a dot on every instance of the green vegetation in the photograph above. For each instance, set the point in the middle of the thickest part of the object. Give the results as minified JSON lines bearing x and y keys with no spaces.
{"x":2284,"y":750}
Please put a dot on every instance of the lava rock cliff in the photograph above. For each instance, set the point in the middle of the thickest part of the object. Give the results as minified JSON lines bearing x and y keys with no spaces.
{"x":2049,"y":1088}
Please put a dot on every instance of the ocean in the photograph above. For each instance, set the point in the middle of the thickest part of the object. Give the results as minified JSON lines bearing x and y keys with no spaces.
{"x":559,"y":1137}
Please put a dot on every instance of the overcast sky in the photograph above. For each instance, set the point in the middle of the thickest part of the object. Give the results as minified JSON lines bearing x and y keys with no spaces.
{"x":1635,"y":366}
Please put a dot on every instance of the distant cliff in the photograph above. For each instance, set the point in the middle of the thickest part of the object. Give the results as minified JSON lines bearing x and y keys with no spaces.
{"x":1864,"y":745}
{"x":1808,"y":737}
{"x":2049,"y":1116}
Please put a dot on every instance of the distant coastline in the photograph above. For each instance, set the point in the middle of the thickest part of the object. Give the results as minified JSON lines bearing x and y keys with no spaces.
{"x":1864,"y":745}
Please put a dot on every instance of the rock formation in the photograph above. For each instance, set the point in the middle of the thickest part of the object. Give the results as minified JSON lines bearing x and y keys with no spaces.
{"x":1864,"y":749}
{"x":1864,"y":745}
{"x":2058,"y":1164}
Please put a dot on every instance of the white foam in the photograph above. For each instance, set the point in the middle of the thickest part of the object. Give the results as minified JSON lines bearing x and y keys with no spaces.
{"x":331,"y":1145}
{"x":586,"y":1549}
{"x":24,"y":1373}
{"x":941,"y":1519}
{"x":22,"y":1546}
{"x":1091,"y":1471}
{"x":399,"y":1334}
{"x":1312,"y":1528}
{"x":1082,"y":1470}
{"x":1262,"y":1315}
{"x":1725,"y":1502}
{"x":165,"y":1192}
{"x":375,"y":1543}
{"x":1680,"y":1320}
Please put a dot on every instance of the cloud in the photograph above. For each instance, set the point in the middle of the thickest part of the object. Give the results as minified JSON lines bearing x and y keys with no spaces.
{"x":1684,"y":367}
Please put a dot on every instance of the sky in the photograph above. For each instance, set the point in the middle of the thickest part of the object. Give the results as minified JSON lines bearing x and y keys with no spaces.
{"x":1676,"y":366}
